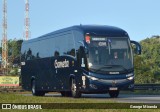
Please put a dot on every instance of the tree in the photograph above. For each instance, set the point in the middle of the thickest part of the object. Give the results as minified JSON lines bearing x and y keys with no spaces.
{"x":147,"y":66}
{"x":14,"y":48}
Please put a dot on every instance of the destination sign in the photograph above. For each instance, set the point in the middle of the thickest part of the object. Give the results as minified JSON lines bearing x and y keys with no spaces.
{"x":99,"y":39}
{"x":102,"y":44}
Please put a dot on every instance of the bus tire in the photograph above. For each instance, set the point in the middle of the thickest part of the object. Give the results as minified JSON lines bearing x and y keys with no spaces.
{"x":114,"y":94}
{"x":34,"y":91}
{"x":74,"y":89}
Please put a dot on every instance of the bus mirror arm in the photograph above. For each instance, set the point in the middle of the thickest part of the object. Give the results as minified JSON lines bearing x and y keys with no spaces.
{"x":81,"y":42}
{"x":138,"y":47}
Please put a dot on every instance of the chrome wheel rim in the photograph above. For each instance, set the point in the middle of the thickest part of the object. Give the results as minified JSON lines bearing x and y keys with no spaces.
{"x":33,"y":87}
{"x":73,"y":86}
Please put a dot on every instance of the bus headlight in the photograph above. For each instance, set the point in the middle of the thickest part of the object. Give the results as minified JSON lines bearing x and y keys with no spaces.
{"x":92,"y":78}
{"x":129,"y":75}
{"x":89,"y":64}
{"x":130,"y":78}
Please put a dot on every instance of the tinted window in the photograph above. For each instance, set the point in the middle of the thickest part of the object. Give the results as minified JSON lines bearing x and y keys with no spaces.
{"x":54,"y":45}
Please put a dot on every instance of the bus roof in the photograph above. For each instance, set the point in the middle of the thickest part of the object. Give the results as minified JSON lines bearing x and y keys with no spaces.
{"x":91,"y":29}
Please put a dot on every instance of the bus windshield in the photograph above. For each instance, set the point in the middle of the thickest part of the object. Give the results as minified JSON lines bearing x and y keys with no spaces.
{"x":110,"y":54}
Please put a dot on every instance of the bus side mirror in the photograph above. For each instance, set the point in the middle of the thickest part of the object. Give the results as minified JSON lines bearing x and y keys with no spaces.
{"x":81,"y":42}
{"x":138,"y":47}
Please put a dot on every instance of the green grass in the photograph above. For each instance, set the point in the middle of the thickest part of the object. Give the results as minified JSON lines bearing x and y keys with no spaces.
{"x":20,"y":98}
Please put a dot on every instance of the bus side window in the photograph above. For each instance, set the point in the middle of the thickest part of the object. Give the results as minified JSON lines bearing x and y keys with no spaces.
{"x":29,"y":54}
{"x":72,"y":52}
{"x":23,"y":56}
{"x":37,"y":55}
{"x":80,"y":55}
{"x":56,"y":54}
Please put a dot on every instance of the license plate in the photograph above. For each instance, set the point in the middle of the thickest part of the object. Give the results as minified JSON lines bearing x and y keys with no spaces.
{"x":113,"y":88}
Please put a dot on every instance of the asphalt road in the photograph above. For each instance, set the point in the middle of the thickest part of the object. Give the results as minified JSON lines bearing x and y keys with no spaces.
{"x":125,"y":98}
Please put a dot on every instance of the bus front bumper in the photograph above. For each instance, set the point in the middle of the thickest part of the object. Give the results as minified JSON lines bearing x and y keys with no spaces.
{"x":94,"y":85}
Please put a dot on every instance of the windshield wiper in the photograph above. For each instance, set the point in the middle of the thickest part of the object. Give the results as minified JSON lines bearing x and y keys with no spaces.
{"x":118,"y":66}
{"x":96,"y":70}
{"x":103,"y":68}
{"x":111,"y":66}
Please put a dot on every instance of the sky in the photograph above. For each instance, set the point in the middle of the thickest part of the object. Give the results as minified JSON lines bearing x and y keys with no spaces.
{"x":140,"y":18}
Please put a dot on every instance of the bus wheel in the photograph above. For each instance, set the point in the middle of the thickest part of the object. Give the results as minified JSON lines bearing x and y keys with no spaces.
{"x":74,"y":89}
{"x":114,"y":94}
{"x":34,"y":91}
